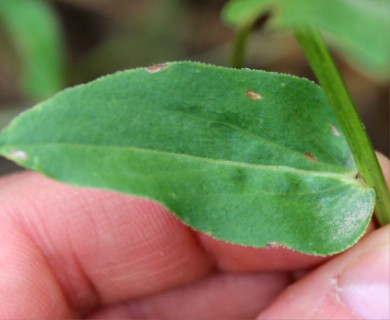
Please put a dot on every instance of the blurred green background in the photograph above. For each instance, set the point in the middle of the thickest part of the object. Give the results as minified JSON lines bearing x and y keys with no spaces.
{"x":47,"y":45}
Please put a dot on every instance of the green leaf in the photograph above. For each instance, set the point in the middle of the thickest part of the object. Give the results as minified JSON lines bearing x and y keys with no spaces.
{"x":34,"y":31}
{"x":238,"y":13}
{"x":360,"y":29}
{"x":246,"y":156}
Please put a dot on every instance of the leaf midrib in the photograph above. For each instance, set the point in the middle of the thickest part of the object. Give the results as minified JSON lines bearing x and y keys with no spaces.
{"x":347,"y":177}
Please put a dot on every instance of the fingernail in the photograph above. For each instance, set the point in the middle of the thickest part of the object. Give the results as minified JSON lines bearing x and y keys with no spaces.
{"x":364,"y":285}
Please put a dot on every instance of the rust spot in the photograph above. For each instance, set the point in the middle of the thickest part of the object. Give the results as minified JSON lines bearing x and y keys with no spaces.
{"x":253,"y":95}
{"x":310,"y":157}
{"x":157,"y":67}
{"x":335,"y":131}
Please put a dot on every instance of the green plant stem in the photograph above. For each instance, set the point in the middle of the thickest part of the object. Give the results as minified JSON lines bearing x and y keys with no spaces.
{"x":337,"y":93}
{"x":240,"y":43}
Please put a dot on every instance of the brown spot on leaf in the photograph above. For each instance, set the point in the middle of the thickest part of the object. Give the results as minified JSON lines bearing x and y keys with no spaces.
{"x":253,"y":95}
{"x":310,"y":157}
{"x":157,"y":68}
{"x":335,"y":131}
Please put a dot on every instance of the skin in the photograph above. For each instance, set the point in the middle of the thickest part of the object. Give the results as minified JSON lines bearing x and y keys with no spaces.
{"x":69,"y":252}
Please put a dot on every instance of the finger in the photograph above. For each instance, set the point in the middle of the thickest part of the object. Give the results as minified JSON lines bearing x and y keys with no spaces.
{"x":70,"y":228}
{"x":98,"y":247}
{"x":28,"y":289}
{"x":355,"y":285}
{"x":221,"y":296}
{"x":101,"y":247}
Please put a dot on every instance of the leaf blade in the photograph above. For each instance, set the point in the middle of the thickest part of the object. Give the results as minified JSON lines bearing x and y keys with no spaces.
{"x":189,"y":137}
{"x":341,"y":21}
{"x":36,"y":35}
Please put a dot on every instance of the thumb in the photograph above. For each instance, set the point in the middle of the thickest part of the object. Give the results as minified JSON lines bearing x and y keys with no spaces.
{"x":354,"y":285}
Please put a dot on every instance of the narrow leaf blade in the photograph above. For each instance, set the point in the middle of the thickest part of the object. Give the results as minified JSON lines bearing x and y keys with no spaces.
{"x":342,"y":22}
{"x":238,"y":13}
{"x":36,"y":35}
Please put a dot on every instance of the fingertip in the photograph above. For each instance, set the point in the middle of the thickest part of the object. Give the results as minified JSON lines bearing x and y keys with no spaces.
{"x":353,"y":285}
{"x":28,"y":288}
{"x":364,"y":284}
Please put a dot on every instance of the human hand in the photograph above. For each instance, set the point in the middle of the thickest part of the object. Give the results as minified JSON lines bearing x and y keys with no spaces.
{"x":69,"y":252}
